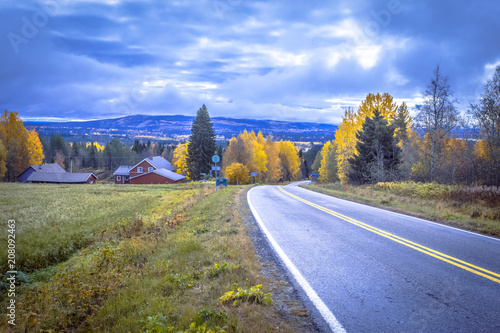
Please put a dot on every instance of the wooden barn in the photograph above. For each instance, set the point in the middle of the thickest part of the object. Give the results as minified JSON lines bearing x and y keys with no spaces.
{"x":156,"y":170}
{"x":54,"y":173}
{"x":62,"y":178}
{"x":54,"y":167}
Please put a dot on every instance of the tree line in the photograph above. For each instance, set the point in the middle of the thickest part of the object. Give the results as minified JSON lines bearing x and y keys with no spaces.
{"x":20,"y":148}
{"x":92,"y":155}
{"x":271,"y":161}
{"x":380,"y":141}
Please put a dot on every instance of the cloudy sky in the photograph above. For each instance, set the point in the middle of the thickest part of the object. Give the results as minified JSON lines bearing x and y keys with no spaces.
{"x":289,"y":60}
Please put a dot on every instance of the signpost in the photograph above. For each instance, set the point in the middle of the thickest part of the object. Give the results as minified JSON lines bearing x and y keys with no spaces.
{"x":216,"y":160}
{"x":314,"y":177}
{"x":253,"y":174}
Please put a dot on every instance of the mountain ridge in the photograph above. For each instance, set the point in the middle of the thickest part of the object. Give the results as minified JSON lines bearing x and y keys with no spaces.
{"x":173,"y":126}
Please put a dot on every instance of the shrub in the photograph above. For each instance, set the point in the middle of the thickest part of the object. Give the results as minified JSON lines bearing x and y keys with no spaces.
{"x":237,"y":173}
{"x":252,"y":295}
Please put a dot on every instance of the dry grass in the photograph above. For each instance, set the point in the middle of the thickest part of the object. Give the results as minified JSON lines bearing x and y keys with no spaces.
{"x":159,"y":268}
{"x":475,"y":209}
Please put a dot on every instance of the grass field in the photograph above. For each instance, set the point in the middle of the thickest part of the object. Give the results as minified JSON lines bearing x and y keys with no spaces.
{"x":475,"y":209}
{"x":106,"y":258}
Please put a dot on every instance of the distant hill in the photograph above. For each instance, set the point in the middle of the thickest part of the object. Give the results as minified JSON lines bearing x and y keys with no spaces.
{"x":175,"y":127}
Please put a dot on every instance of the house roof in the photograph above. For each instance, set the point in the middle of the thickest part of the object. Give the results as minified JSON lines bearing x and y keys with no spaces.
{"x":122,"y":170}
{"x":54,"y":167}
{"x":59,"y":177}
{"x":160,"y":163}
{"x":165,"y":173}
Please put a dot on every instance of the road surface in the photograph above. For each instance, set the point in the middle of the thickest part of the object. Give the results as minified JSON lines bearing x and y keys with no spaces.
{"x":365,"y":269}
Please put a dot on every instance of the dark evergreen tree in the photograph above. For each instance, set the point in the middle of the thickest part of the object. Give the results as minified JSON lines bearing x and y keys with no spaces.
{"x":201,"y":146}
{"x":378,"y":154}
{"x":93,"y":156}
{"x":220,"y":152}
{"x":316,"y":163}
{"x":304,"y":169}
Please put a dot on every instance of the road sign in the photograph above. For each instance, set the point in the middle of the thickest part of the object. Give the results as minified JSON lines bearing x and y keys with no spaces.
{"x":216,"y":168}
{"x":215,"y":159}
{"x":253,"y":174}
{"x":315,"y":175}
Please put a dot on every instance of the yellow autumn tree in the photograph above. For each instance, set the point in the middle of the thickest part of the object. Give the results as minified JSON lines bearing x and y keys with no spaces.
{"x":457,"y":164}
{"x":249,"y":150}
{"x":384,"y":103}
{"x":328,"y":168}
{"x":260,"y":156}
{"x":14,"y":138}
{"x":237,"y":173}
{"x":345,"y":139}
{"x":273,"y":173}
{"x":239,"y":150}
{"x":97,"y":146}
{"x":35,"y":148}
{"x":290,"y":162}
{"x":179,"y":161}
{"x":3,"y":159}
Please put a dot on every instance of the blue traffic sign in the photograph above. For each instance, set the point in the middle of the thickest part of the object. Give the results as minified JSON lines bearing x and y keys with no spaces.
{"x":215,"y":159}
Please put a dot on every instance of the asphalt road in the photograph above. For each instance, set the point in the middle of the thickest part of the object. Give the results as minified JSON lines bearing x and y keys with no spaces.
{"x":365,"y":269}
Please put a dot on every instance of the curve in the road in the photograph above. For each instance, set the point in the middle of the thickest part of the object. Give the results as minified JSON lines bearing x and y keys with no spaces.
{"x":433,"y":253}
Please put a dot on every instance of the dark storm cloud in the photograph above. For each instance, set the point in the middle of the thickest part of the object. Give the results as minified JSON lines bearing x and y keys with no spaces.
{"x":266,"y":59}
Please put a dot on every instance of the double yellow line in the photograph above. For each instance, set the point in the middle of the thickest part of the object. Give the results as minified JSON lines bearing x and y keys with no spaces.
{"x":433,"y":253}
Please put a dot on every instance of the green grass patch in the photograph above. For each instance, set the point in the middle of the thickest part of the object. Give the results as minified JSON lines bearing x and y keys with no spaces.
{"x":154,"y":259}
{"x":471,"y":208}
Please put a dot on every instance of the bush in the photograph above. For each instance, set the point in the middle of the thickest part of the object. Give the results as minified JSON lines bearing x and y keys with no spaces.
{"x":237,"y":173}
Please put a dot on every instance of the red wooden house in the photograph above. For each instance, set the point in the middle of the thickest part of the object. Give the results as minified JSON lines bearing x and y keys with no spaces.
{"x":156,"y":170}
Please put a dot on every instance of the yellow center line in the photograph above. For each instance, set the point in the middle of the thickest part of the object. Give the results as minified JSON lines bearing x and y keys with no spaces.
{"x":433,"y":253}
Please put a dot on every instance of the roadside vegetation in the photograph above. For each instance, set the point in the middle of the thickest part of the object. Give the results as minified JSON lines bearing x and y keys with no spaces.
{"x":471,"y":208}
{"x":134,"y":259}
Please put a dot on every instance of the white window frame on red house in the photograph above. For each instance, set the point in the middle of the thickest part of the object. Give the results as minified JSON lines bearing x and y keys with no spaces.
{"x":118,"y":178}
{"x":139,"y":169}
{"x":150,"y":169}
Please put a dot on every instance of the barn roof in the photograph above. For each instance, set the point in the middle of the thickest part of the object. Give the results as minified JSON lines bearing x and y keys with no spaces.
{"x":54,"y":167}
{"x":164,"y":173}
{"x":59,"y":177}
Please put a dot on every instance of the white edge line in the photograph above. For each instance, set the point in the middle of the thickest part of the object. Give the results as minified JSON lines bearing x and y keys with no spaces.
{"x":401,"y":214}
{"x":313,"y":296}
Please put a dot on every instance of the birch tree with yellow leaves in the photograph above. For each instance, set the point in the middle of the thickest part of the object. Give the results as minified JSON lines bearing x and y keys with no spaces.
{"x":180,"y":159}
{"x":290,"y":162}
{"x":273,"y":174}
{"x":35,"y":148}
{"x":18,"y":147}
{"x":328,"y":169}
{"x":249,"y":150}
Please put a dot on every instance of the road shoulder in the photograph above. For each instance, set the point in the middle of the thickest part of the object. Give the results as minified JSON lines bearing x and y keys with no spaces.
{"x":291,"y":302}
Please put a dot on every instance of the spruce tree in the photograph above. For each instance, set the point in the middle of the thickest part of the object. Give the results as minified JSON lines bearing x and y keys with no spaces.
{"x":378,"y":154}
{"x":201,"y":146}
